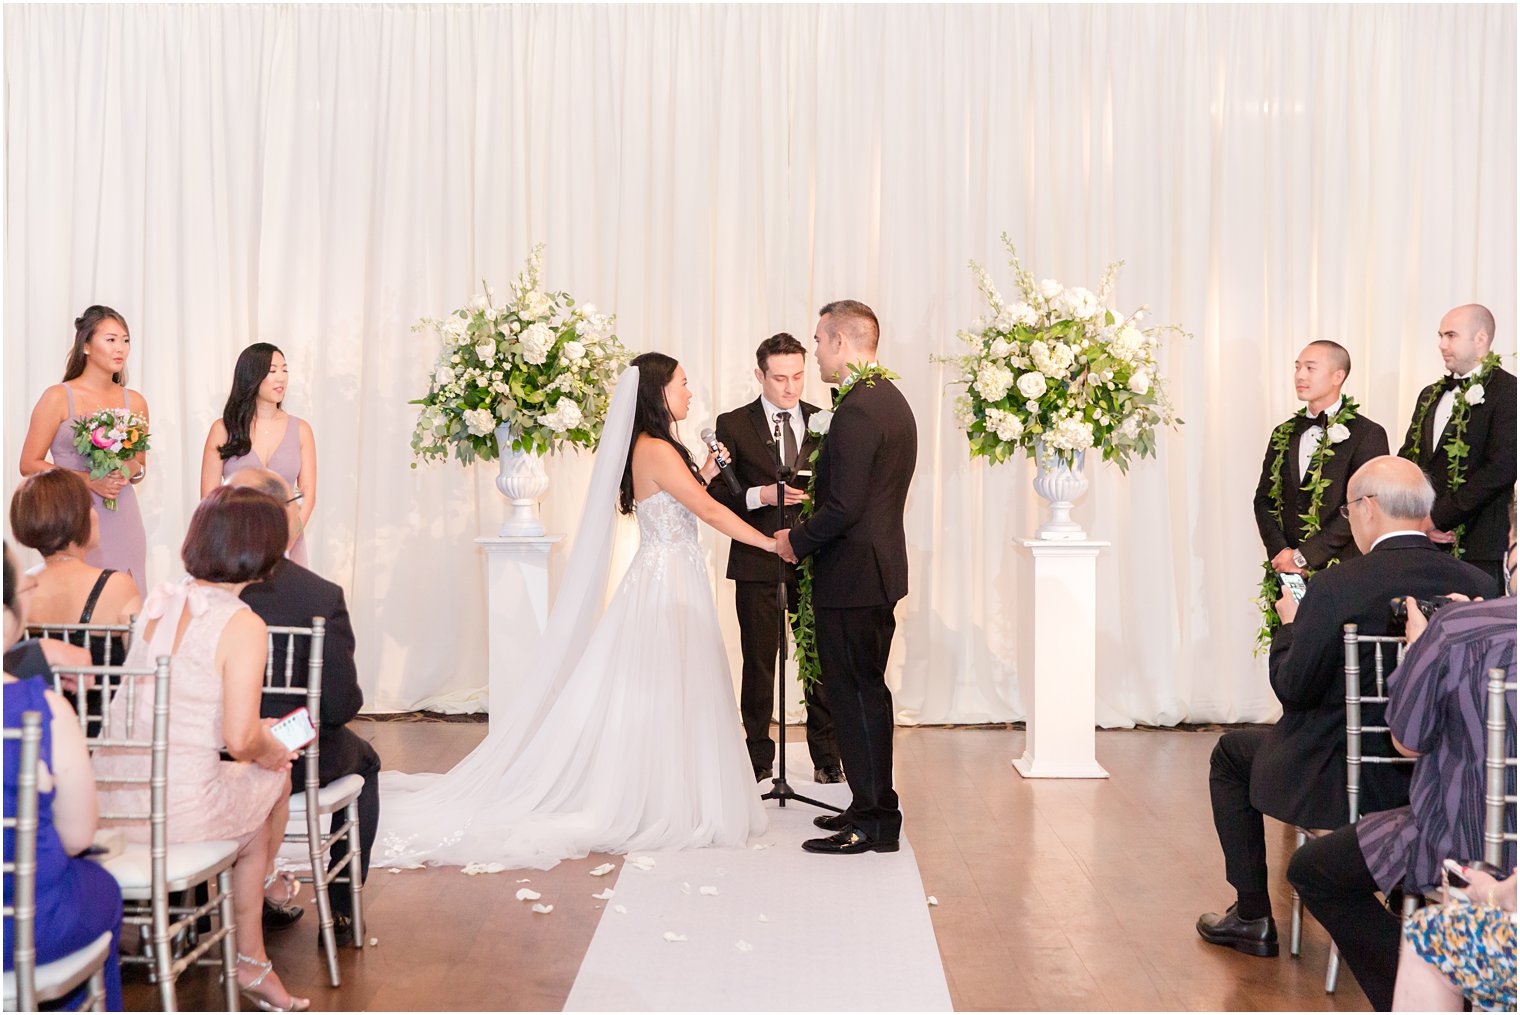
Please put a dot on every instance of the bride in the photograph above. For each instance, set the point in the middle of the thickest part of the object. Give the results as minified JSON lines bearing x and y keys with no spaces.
{"x":625,"y":735}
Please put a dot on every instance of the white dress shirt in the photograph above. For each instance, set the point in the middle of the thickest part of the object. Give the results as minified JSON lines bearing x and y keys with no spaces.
{"x":1309,"y":440}
{"x":1393,"y":535}
{"x":799,"y":430}
{"x":1444,"y":405}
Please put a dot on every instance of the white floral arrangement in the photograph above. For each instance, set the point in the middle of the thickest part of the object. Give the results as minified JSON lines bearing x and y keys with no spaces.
{"x":538,"y":363}
{"x":1057,"y":366}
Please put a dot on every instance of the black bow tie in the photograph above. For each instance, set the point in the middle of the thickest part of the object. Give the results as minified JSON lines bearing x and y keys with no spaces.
{"x":1303,"y":423}
{"x":1451,"y":382}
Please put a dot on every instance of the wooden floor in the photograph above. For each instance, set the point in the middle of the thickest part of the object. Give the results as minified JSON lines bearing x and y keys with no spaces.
{"x":1053,"y":895}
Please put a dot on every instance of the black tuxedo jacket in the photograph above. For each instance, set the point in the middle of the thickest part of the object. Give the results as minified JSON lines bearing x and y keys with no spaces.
{"x":1482,"y":502}
{"x":291,"y":597}
{"x":855,"y":534}
{"x":750,"y":438}
{"x":1333,"y":540}
{"x":1299,"y":774}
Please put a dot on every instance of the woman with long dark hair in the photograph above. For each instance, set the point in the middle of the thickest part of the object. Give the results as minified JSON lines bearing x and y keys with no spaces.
{"x":95,"y":378}
{"x":256,"y":431}
{"x":623,"y":731}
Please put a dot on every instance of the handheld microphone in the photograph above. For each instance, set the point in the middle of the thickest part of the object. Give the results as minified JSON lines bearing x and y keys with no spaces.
{"x":711,"y":440}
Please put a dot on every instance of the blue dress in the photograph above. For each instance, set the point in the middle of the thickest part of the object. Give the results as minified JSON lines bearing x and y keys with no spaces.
{"x":77,"y":900}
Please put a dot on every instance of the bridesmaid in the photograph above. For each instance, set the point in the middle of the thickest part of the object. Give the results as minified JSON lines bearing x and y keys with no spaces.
{"x":95,"y":378}
{"x":255,"y":431}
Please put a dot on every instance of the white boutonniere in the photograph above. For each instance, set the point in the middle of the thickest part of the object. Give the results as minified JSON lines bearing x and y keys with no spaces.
{"x":1338,"y":433}
{"x":1473,"y":395}
{"x":819,"y":421}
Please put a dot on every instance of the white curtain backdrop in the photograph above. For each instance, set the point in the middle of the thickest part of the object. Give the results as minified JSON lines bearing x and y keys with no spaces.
{"x":322,"y":177}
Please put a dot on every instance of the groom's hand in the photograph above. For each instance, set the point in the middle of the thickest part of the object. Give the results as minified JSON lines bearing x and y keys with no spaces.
{"x":784,"y":546}
{"x":793,"y":495}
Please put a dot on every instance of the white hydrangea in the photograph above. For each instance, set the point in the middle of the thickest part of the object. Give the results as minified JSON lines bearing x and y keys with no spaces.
{"x":1050,"y":289}
{"x":1006,"y":425}
{"x":1052,"y":360}
{"x":1128,"y":344}
{"x":537,"y":340}
{"x":454,"y":328}
{"x":1080,"y":303}
{"x":479,"y":303}
{"x":443,"y":376}
{"x":1129,"y":429}
{"x":965,"y":415}
{"x":1071,"y":434}
{"x":1032,"y":385}
{"x":1023,"y":313}
{"x":565,"y":416}
{"x":1000,"y":348}
{"x":479,"y":421}
{"x":993,"y":381}
{"x":534,"y":304}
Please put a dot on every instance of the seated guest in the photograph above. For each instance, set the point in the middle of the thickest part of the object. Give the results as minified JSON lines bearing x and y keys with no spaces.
{"x":290,"y":597}
{"x":51,"y":513}
{"x":1295,"y":771}
{"x":76,"y":900}
{"x":1437,"y":701}
{"x":218,"y":645}
{"x":1466,"y":950}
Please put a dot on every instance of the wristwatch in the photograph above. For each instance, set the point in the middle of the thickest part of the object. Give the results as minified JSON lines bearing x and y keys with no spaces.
{"x":1298,"y":559}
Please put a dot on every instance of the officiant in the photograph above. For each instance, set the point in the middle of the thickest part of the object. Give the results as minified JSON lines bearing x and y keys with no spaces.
{"x":762,"y":436}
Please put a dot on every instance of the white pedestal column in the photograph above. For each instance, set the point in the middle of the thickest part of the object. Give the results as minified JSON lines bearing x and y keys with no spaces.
{"x":517,"y":607}
{"x":1058,"y":659}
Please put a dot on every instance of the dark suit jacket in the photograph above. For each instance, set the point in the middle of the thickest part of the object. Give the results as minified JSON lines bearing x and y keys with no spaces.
{"x":750,"y":438}
{"x":1482,"y":502}
{"x":855,"y":535}
{"x":1333,"y":540}
{"x":1299,"y":774}
{"x":291,"y":597}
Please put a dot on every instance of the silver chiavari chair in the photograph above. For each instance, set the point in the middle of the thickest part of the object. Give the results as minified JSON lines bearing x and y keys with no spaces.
{"x":27,"y":983}
{"x":149,"y":874}
{"x":87,"y":636}
{"x":316,"y":802}
{"x":1498,"y":791}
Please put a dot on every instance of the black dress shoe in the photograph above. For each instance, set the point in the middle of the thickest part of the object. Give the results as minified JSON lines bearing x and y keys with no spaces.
{"x":343,"y":931}
{"x":828,"y":774}
{"x":832,"y":822}
{"x":278,"y":916}
{"x":851,"y":840}
{"x":762,"y":774}
{"x":1254,"y":937}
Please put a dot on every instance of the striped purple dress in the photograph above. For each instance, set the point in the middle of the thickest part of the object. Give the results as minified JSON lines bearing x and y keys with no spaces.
{"x":286,"y":460}
{"x":123,"y":540}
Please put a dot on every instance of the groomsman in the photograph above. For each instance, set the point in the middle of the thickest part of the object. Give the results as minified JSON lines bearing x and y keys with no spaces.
{"x":1318,"y":375}
{"x":1473,"y":406}
{"x":768,"y":432}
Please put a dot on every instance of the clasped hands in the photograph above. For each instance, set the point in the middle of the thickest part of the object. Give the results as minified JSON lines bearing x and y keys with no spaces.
{"x":784,"y":546}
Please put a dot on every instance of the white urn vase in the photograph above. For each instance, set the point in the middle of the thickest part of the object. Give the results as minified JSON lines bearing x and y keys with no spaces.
{"x":522,"y":480}
{"x":1059,"y":482}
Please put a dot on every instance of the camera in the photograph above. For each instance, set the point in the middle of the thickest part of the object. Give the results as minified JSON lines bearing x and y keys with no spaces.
{"x":1427,"y":607}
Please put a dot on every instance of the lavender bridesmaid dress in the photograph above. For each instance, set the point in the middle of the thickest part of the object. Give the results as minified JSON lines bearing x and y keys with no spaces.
{"x":286,"y":460}
{"x":123,"y":541}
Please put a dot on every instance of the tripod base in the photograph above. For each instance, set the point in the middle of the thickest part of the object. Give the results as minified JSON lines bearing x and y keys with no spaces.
{"x":782,"y":791}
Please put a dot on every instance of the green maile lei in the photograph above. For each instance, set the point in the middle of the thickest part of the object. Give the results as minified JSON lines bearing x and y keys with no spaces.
{"x":1315,"y":485}
{"x":804,"y":623}
{"x":1456,"y":449}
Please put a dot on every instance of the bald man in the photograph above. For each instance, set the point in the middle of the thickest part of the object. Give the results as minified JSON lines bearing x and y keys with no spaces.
{"x":291,"y":597}
{"x":1470,"y":515}
{"x":1295,"y":771}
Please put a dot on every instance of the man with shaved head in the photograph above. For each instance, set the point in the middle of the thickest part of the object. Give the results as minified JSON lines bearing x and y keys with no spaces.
{"x":291,"y":597}
{"x":1463,"y":435}
{"x":1295,"y":771}
{"x":1329,"y":440}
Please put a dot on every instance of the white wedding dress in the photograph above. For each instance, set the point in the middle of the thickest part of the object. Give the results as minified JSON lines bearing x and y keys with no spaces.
{"x":626,"y":737}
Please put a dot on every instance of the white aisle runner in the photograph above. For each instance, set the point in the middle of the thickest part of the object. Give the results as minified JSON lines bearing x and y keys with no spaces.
{"x":785,"y":931}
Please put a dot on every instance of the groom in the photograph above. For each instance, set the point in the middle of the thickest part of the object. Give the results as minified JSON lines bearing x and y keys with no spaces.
{"x":860,"y":569}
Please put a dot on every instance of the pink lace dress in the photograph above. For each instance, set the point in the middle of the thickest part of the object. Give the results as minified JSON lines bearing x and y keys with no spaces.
{"x":208,"y":798}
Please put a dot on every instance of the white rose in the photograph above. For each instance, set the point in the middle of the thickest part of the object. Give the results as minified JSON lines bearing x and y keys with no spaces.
{"x":819,"y":421}
{"x":454,"y":328}
{"x":1032,"y":385}
{"x":566,"y":416}
{"x":993,"y":381}
{"x":479,"y":303}
{"x":1338,"y":433}
{"x":486,"y":351}
{"x":479,"y":421}
{"x":1050,"y":289}
{"x":999,"y":349}
{"x":574,"y":351}
{"x":1024,"y":314}
{"x":537,"y":340}
{"x":1140,"y":382}
{"x":444,"y":376}
{"x":1474,"y":395}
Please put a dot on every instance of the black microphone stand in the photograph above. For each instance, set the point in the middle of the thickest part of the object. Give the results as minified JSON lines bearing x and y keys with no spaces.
{"x":781,"y":791}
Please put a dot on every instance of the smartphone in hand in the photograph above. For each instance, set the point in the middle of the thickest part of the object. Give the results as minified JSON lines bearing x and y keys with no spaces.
{"x":295,"y":731}
{"x":1294,"y":583}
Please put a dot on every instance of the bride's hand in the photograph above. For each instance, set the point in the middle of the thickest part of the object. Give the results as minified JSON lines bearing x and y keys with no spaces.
{"x":710,"y":467}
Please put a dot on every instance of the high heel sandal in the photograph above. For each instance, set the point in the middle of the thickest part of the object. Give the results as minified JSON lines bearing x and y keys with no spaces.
{"x":264,"y":1004}
{"x":279,"y":915}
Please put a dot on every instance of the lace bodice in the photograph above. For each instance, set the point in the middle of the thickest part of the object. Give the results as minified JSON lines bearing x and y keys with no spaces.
{"x":664,"y":522}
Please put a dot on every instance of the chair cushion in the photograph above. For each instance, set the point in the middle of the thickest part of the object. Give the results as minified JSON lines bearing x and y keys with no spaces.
{"x":330,"y":797}
{"x":189,"y":863}
{"x":60,"y":976}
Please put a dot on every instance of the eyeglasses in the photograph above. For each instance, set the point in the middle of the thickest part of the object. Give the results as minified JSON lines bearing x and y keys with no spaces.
{"x":1346,"y":507}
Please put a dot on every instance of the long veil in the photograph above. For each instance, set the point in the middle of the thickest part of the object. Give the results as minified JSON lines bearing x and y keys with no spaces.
{"x":427,"y":817}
